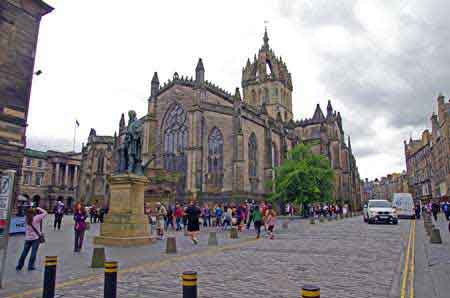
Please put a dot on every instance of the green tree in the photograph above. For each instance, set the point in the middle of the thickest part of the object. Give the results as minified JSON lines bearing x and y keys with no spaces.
{"x":303,"y":178}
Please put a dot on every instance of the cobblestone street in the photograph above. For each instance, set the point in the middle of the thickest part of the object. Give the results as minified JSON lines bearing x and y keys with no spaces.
{"x":345,"y":258}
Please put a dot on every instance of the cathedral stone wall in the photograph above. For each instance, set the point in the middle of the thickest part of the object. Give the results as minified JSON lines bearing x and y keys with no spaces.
{"x":225,"y":147}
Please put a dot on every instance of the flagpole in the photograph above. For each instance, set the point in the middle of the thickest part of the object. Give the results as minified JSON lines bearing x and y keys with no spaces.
{"x":74,"y":135}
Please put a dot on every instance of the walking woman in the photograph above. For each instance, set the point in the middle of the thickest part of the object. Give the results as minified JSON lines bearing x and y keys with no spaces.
{"x":80,"y":217}
{"x":271,"y":220}
{"x":33,"y":220}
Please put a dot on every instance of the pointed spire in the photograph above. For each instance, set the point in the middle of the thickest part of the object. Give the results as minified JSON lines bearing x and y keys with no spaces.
{"x":318,"y":114}
{"x":122,"y":122}
{"x":199,"y":72}
{"x":237,"y":94}
{"x":329,"y":109}
{"x":154,"y":85}
{"x":266,"y":38}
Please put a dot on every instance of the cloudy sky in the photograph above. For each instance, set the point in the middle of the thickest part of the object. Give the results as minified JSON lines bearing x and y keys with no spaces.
{"x":382,"y":63}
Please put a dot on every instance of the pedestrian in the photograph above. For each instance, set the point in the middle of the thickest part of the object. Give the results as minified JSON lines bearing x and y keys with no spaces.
{"x":218,"y":213}
{"x":178,"y":216}
{"x":271,"y":221}
{"x":228,"y":218}
{"x":417,"y":210}
{"x":101,"y":214}
{"x":93,"y":214}
{"x":240,"y":215}
{"x":251,"y":209}
{"x":446,"y":210}
{"x":257,"y":219}
{"x":204,"y":214}
{"x":58,"y":212}
{"x":161,"y":214}
{"x":169,"y":218}
{"x":435,"y":209}
{"x":79,"y":217}
{"x":33,"y":222}
{"x":193,"y":226}
{"x":148,"y":212}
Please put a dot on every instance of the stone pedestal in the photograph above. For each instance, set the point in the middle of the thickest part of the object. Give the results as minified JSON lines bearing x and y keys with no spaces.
{"x":125,"y":224}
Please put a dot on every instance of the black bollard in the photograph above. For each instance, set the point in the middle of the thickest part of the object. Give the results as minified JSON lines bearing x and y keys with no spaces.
{"x":110,"y":288}
{"x":310,"y":291}
{"x":189,"y":284}
{"x":49,"y":277}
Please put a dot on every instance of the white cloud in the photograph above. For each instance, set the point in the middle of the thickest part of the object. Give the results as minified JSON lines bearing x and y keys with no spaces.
{"x":98,"y":58}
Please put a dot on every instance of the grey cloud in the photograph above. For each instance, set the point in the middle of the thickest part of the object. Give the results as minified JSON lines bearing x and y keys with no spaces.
{"x":401,"y":83}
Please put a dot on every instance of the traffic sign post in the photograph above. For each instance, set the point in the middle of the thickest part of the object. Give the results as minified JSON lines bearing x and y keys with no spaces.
{"x":6,"y":196}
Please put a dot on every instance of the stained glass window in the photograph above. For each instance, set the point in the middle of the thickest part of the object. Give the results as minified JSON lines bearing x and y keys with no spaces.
{"x":215,"y":157}
{"x":252,"y":155}
{"x":175,"y":141}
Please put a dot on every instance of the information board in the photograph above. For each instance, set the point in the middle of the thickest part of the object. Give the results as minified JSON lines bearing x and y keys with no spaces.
{"x":6,"y":187}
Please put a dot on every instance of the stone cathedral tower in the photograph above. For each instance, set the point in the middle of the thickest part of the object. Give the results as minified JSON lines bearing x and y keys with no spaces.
{"x":267,"y":82}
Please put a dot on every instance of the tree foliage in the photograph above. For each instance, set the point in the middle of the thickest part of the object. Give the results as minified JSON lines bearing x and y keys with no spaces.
{"x":303,"y":178}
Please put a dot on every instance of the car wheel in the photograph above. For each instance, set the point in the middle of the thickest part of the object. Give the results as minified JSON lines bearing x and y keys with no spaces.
{"x":395,"y":222}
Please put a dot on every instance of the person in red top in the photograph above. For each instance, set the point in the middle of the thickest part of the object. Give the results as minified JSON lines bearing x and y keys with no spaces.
{"x":178,"y":216}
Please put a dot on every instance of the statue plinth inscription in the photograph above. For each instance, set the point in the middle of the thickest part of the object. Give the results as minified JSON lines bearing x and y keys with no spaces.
{"x":125,"y":224}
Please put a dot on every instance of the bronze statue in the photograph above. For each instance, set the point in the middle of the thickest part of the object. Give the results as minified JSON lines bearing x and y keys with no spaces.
{"x":130,"y":150}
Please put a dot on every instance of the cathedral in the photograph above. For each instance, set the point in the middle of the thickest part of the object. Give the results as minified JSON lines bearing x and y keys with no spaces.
{"x":213,"y":145}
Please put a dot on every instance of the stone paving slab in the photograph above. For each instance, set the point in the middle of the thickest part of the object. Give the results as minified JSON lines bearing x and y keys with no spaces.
{"x":76,"y":265}
{"x":432,"y":278}
{"x":347,"y":258}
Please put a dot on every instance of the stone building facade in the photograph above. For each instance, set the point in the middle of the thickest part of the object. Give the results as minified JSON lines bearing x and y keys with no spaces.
{"x":222,"y":146}
{"x":440,"y":149}
{"x":428,"y":159}
{"x":418,"y":158}
{"x":19,"y":27}
{"x":385,"y":187}
{"x":50,"y":176}
{"x":97,"y":163}
{"x":325,"y":134}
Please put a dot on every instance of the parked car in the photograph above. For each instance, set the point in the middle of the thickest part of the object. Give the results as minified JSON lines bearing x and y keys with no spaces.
{"x":404,"y":205}
{"x":379,"y":211}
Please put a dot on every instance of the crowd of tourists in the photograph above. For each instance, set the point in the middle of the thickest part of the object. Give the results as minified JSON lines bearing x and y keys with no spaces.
{"x":179,"y":217}
{"x":316,"y":210}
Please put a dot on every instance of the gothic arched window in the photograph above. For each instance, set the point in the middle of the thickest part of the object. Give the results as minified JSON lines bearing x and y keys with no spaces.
{"x":275,"y":159}
{"x":175,"y":141}
{"x":253,"y":100}
{"x":100,"y":162}
{"x":252,"y":155}
{"x":215,"y":157}
{"x":265,"y":98}
{"x":252,"y":162}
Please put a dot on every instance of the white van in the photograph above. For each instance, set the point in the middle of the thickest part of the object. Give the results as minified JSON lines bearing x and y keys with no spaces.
{"x":404,"y":205}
